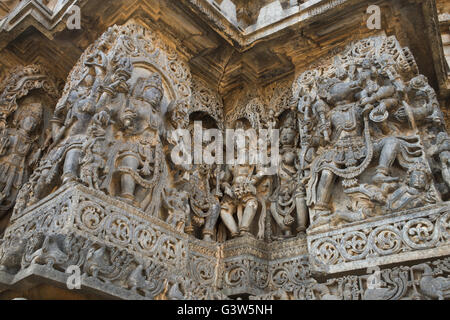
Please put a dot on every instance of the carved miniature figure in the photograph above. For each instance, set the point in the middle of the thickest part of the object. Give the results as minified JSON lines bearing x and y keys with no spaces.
{"x":416,"y":193}
{"x":424,"y":103}
{"x":204,"y":203}
{"x":443,"y":149}
{"x":95,"y":151}
{"x":177,"y":204}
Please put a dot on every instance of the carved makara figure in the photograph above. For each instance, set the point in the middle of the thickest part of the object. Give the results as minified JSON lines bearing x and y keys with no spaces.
{"x":431,"y":286}
{"x":18,"y":153}
{"x":288,"y":205}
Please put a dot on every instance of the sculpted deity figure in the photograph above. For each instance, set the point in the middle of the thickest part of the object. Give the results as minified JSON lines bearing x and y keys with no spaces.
{"x":74,"y":113}
{"x":18,"y":153}
{"x":240,"y":194}
{"x":138,"y":158}
{"x":351,"y":148}
{"x":288,"y":199}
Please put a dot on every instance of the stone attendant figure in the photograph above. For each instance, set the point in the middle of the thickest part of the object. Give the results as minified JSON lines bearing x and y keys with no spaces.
{"x":416,"y":193}
{"x":287,"y":201}
{"x":240,"y":194}
{"x":77,"y":110}
{"x":203,"y":203}
{"x":17,"y":154}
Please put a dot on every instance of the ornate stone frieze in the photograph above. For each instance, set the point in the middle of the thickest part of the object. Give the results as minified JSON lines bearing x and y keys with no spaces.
{"x":360,"y":180}
{"x":419,"y":233}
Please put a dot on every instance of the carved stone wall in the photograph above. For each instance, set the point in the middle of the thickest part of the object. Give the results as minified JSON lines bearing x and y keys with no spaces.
{"x":356,"y":208}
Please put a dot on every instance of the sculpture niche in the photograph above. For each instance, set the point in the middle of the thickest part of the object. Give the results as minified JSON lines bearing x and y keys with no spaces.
{"x":288,"y":205}
{"x":25,"y":103}
{"x":106,"y":133}
{"x":239,"y":185}
{"x":360,"y":120}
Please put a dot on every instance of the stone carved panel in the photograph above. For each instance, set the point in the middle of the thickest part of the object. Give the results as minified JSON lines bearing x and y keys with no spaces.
{"x":27,"y":98}
{"x":385,"y":240}
{"x":360,"y":182}
{"x":425,"y":281}
{"x":368,"y":119}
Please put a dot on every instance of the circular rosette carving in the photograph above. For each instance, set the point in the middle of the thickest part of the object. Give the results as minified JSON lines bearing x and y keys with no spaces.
{"x":145,"y":239}
{"x":236,"y":275}
{"x":119,"y":230}
{"x":90,"y":216}
{"x":280,"y":277}
{"x":300,"y":272}
{"x":420,"y":233}
{"x":354,"y":246}
{"x":259,"y":275}
{"x":386,"y":240}
{"x":326,"y":251}
{"x":203,"y":270}
{"x":445,"y":225}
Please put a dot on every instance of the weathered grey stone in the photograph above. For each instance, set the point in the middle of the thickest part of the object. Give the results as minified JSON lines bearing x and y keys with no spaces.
{"x":89,"y":181}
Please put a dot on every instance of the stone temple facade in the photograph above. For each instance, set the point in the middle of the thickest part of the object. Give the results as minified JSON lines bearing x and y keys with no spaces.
{"x":356,"y":206}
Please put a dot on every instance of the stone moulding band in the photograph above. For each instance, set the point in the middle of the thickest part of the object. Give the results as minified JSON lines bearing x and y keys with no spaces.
{"x":411,"y":235}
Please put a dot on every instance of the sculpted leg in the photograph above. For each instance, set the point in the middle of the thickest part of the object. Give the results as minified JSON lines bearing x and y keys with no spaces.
{"x":278,"y":219}
{"x":210,"y":222}
{"x":127,"y":182}
{"x":389,"y":150}
{"x":302,"y":213}
{"x":324,"y":189}
{"x":189,"y":228}
{"x":71,"y":164}
{"x":226,"y":214}
{"x":249,"y":214}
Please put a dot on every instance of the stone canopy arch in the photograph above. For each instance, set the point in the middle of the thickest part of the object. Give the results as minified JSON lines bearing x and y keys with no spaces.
{"x":148,"y":52}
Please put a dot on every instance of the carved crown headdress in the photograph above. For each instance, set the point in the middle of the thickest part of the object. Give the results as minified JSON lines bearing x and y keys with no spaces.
{"x":153,"y":81}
